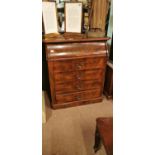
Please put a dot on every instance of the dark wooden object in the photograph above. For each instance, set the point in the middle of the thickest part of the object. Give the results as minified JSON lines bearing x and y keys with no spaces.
{"x":104,"y":134}
{"x":108,"y":86}
{"x":76,"y":71}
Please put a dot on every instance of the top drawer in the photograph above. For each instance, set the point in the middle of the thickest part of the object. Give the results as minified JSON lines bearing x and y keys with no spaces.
{"x":75,"y":50}
{"x":79,"y":64}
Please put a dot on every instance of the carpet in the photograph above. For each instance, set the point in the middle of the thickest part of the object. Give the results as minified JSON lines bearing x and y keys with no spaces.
{"x":71,"y":131}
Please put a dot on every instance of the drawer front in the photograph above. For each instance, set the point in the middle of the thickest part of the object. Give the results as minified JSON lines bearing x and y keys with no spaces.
{"x":79,"y":64}
{"x":90,"y":63}
{"x":86,"y":95}
{"x":77,"y":86}
{"x":63,"y":66}
{"x":78,"y":76}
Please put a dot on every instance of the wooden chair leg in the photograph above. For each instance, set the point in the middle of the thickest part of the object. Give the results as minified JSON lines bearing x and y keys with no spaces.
{"x":97,"y":144}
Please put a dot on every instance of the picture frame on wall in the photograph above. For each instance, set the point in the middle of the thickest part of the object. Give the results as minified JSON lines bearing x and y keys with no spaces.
{"x":73,"y":17}
{"x":50,"y":21}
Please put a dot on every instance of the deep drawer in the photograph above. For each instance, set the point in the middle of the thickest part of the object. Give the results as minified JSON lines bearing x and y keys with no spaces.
{"x":78,"y":76}
{"x":85,"y":95}
{"x":79,"y":64}
{"x":74,"y":86}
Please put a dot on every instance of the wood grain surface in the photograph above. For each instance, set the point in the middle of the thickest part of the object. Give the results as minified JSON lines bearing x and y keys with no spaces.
{"x":76,"y":72}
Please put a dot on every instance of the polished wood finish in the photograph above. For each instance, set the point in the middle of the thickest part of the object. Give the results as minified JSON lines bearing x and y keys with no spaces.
{"x":49,"y":40}
{"x":104,"y":134}
{"x":78,"y":64}
{"x":71,"y":86}
{"x":76,"y":103}
{"x":76,"y":71}
{"x":83,"y":95}
{"x":78,"y":76}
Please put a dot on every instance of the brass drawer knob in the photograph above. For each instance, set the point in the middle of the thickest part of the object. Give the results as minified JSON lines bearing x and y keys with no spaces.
{"x":79,"y":87}
{"x":78,"y":97}
{"x":80,"y":65}
{"x":78,"y":77}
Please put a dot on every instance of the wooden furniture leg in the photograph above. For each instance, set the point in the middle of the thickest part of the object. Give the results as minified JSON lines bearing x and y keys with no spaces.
{"x":104,"y":134}
{"x":97,"y":144}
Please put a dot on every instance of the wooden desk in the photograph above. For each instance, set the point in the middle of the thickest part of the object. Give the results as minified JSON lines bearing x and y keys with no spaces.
{"x":104,"y":134}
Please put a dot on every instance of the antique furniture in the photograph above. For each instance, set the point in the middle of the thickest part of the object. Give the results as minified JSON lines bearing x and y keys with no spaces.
{"x":76,"y":70}
{"x":104,"y":134}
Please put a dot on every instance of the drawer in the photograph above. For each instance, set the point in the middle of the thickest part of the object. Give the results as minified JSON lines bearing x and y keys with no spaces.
{"x":78,"y":76}
{"x":74,"y":86}
{"x":63,"y":66}
{"x":90,"y":63}
{"x":85,"y":95}
{"x":79,"y":64}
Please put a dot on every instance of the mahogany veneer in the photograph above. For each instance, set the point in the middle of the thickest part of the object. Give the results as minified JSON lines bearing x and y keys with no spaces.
{"x":76,"y":71}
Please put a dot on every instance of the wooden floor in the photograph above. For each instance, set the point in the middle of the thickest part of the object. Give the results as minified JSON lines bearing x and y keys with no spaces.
{"x":71,"y":131}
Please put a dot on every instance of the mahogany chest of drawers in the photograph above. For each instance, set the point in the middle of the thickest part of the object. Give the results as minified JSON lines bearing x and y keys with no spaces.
{"x":76,"y":71}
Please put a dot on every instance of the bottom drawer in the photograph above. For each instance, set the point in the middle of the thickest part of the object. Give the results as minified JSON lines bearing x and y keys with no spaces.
{"x":85,"y":95}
